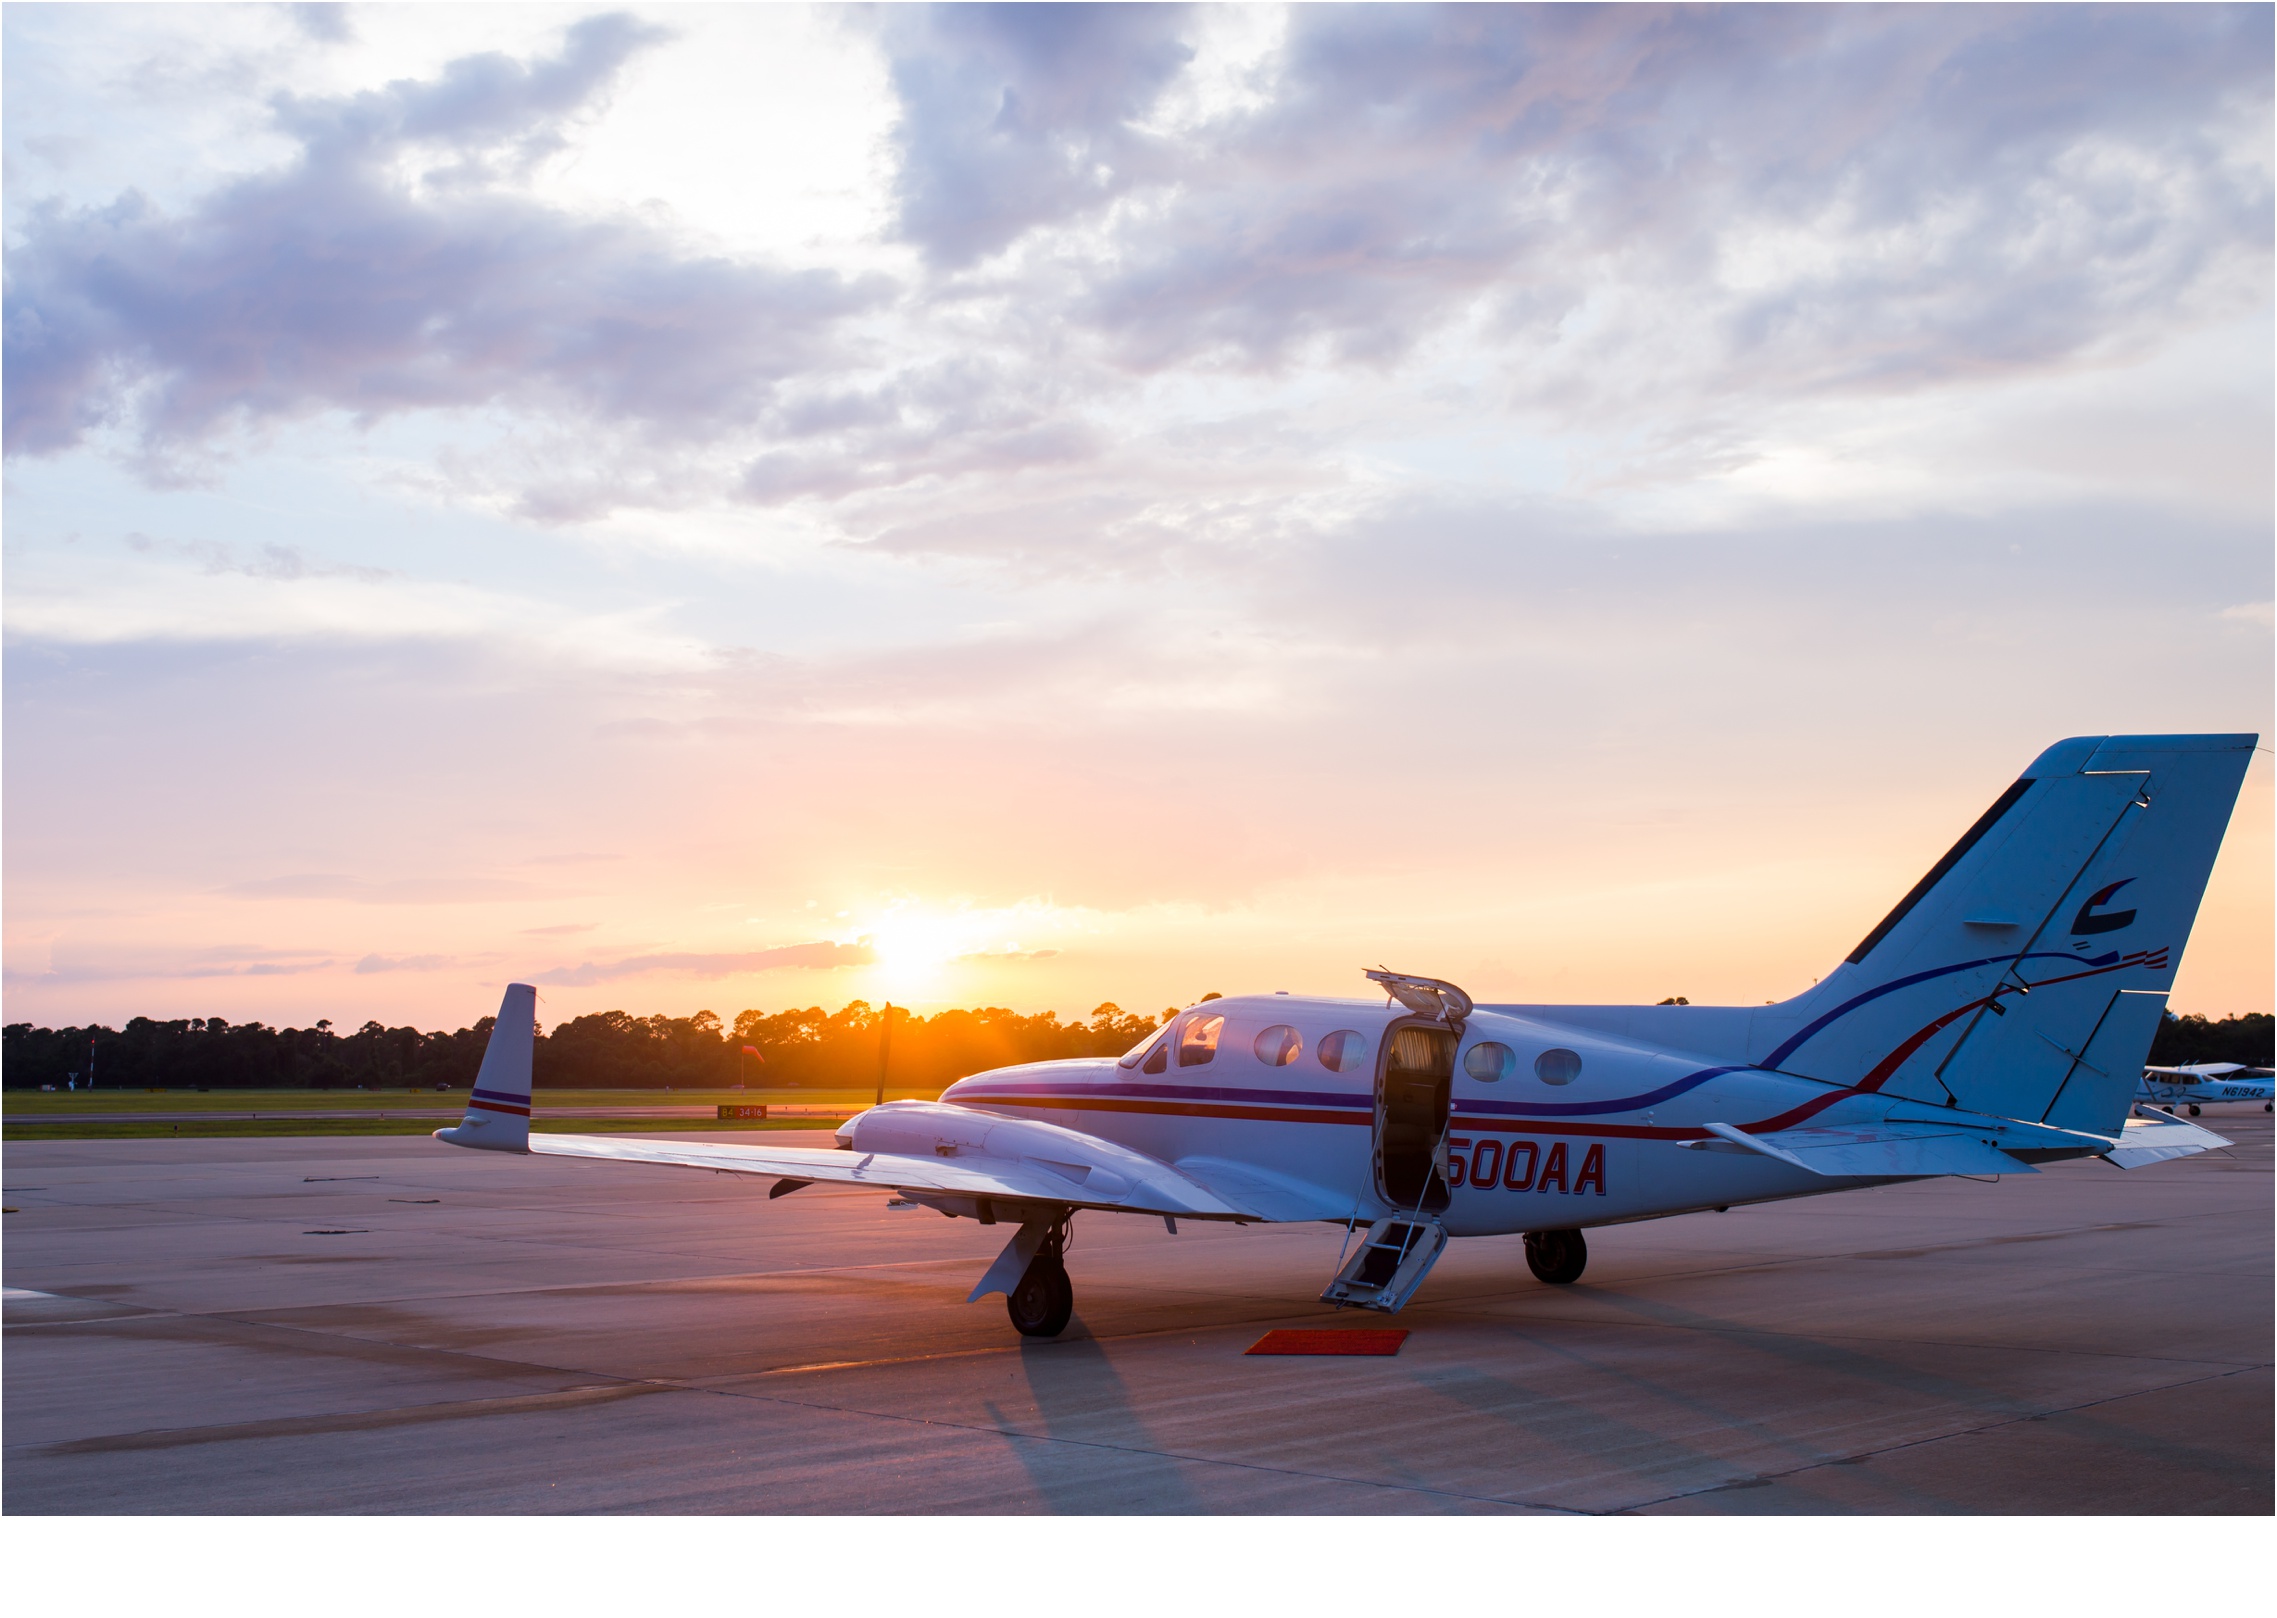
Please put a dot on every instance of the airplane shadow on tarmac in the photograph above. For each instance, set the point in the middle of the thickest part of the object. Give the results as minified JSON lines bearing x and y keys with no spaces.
{"x":1081,"y":1399}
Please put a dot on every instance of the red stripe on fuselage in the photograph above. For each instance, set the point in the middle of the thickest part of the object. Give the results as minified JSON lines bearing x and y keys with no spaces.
{"x":1888,"y":1065}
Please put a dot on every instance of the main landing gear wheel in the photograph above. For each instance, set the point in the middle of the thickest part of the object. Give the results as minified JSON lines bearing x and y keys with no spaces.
{"x":1044,"y":1300}
{"x":2193,"y":1112}
{"x":1556,"y":1256}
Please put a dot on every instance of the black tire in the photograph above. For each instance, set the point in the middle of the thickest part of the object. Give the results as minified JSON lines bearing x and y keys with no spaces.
{"x":2193,"y":1112}
{"x":1044,"y":1301}
{"x":1556,"y":1256}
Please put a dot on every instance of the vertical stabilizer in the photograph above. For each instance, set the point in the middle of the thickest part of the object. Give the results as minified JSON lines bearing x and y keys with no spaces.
{"x":2024,"y":975}
{"x":498,"y":1111}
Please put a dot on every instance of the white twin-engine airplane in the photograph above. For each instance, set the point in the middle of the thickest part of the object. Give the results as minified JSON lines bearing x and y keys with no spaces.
{"x":1997,"y":1018}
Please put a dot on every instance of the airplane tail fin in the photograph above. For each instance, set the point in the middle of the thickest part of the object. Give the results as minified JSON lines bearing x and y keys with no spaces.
{"x":498,"y":1110}
{"x":2025,"y":974}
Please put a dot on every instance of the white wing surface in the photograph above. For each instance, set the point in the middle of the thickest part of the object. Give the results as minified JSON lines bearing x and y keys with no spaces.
{"x":955,"y":1181}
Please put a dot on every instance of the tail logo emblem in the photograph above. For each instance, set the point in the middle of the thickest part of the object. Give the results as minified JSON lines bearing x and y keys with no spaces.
{"x":2087,"y":921}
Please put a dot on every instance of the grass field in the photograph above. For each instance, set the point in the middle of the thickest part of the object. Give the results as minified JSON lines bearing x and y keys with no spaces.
{"x":42,"y":1115}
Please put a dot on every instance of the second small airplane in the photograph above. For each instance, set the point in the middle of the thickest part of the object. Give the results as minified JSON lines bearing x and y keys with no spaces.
{"x":2198,"y":1084}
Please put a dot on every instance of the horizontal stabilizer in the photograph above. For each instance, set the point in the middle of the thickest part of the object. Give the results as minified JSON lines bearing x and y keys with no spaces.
{"x":1884,"y":1151}
{"x":2156,"y":1138}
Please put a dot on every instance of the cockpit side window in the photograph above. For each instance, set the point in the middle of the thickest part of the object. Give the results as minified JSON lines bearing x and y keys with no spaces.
{"x":1198,"y":1041}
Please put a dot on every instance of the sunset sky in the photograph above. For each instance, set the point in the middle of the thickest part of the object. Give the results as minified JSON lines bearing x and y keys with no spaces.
{"x":758,"y":507}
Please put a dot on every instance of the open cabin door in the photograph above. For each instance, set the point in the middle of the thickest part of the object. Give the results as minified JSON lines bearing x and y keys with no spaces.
{"x":1415,"y":1082}
{"x":1415,"y":1096}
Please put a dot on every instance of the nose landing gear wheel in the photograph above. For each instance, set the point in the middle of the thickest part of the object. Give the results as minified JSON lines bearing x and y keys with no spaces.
{"x":1044,"y":1301}
{"x":1556,"y":1256}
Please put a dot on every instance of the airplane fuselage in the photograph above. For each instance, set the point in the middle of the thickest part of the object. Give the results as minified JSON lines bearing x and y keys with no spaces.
{"x":1619,"y":1139}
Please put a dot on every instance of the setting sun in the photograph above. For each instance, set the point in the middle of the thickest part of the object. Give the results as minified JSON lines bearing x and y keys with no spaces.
{"x":912,"y":949}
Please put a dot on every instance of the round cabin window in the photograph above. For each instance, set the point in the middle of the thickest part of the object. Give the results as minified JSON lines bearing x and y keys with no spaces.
{"x":1279,"y":1045}
{"x":1490,"y":1062}
{"x":1558,"y":1066}
{"x":1342,"y":1051}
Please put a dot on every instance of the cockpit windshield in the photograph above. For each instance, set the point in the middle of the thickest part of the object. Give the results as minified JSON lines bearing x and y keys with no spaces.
{"x":1137,"y":1053}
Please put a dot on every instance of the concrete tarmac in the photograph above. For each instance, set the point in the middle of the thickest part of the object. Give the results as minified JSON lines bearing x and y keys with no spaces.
{"x":392,"y":1325}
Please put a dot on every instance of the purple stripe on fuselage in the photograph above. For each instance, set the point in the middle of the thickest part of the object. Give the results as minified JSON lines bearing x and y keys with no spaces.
{"x":1576,"y":1109}
{"x":1012,"y":1090}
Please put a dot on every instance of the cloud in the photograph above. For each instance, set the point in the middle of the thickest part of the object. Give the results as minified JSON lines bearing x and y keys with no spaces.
{"x":406,"y":963}
{"x":820,"y":957}
{"x":1798,"y":196}
{"x":1015,"y":116}
{"x":283,"y":563}
{"x":324,"y":20}
{"x":400,"y":891}
{"x":394,"y":266}
{"x":134,"y":964}
{"x":1656,"y":225}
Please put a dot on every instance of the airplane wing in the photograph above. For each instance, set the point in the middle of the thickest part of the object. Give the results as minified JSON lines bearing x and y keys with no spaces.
{"x":960,"y":1183}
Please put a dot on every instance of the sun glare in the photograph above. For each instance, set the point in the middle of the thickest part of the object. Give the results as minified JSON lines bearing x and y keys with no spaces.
{"x":915,"y":948}
{"x":912,"y":949}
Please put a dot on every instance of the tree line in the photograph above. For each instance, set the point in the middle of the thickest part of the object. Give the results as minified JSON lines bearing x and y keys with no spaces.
{"x":2184,"y":1040}
{"x":801,"y":1049}
{"x":606,"y":1050}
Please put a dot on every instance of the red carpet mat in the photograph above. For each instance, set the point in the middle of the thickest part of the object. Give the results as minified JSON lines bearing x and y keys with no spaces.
{"x":1328,"y":1342}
